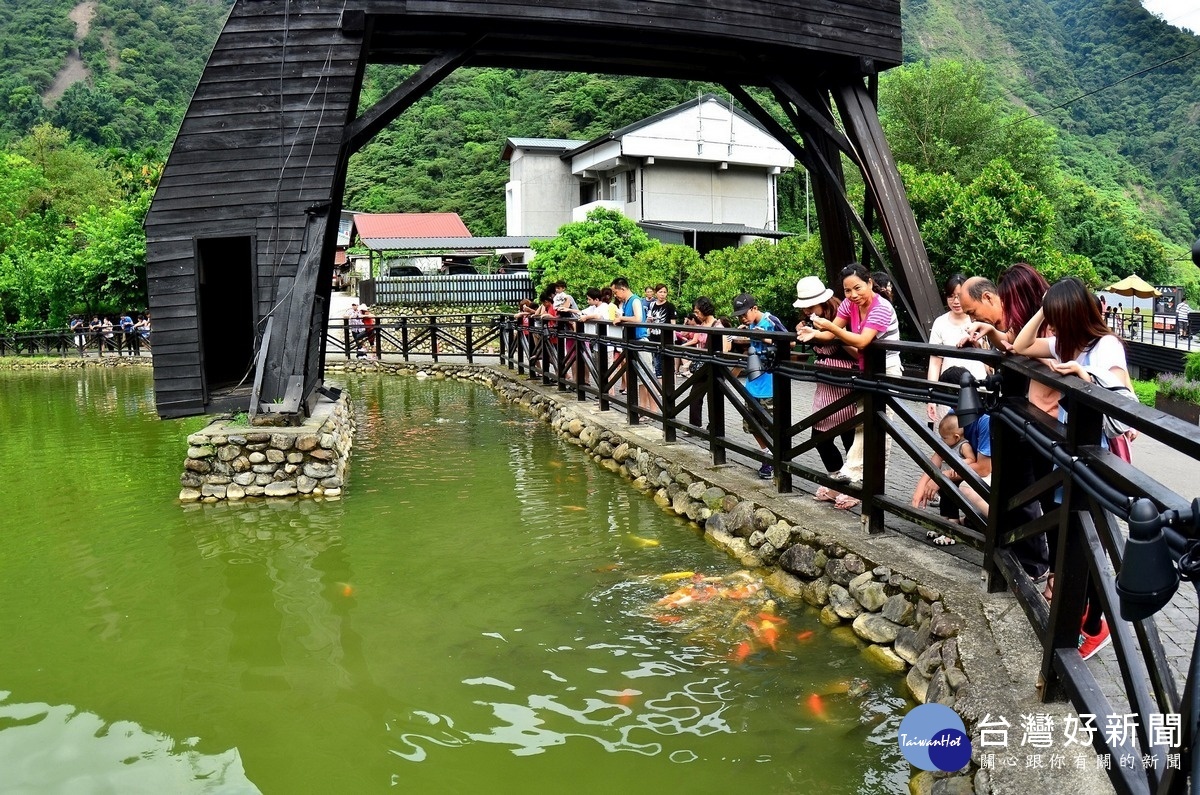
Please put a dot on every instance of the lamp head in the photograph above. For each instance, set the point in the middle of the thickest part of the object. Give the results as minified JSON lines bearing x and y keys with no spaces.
{"x":1196,"y":253}
{"x":969,"y":405}
{"x":1148,"y":577}
{"x":754,"y":366}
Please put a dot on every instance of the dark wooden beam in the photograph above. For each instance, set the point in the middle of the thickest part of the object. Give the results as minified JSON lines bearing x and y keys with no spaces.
{"x":401,"y":98}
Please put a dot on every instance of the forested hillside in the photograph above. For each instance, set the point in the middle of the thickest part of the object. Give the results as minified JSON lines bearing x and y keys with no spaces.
{"x":1105,"y":174}
{"x":1119,"y":129}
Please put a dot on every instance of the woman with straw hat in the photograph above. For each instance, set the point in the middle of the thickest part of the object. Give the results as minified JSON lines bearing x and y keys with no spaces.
{"x":813,"y":298}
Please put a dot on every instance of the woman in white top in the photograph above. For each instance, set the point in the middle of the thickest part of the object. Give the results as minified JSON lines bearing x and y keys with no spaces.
{"x":950,"y":329}
{"x":1082,"y":344}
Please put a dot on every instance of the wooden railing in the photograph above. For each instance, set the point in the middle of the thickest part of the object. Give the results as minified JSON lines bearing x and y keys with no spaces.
{"x":1033,"y":456}
{"x":65,"y":342}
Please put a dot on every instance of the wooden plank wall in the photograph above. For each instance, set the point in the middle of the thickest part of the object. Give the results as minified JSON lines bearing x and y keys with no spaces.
{"x":260,"y":144}
{"x":855,"y":28}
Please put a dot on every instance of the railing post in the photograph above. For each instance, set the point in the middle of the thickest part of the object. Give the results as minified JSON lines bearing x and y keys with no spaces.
{"x":601,"y":354}
{"x":716,"y":403}
{"x":781,"y":438}
{"x":874,"y":442}
{"x":433,"y":342}
{"x":560,"y":355}
{"x":470,"y":340}
{"x":668,"y":392}
{"x":346,"y":336}
{"x":628,"y":334}
{"x":404,"y":337}
{"x":582,"y":346}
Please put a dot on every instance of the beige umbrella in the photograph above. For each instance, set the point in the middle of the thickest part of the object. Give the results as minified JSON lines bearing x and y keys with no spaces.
{"x":1134,"y":286}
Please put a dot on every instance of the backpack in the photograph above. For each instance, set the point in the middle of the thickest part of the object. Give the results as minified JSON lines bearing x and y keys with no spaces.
{"x":776,"y":323}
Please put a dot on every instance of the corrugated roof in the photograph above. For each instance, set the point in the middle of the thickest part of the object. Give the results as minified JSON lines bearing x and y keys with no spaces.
{"x":558,"y":145}
{"x":393,"y":225}
{"x":445,"y":243}
{"x":719,"y":229}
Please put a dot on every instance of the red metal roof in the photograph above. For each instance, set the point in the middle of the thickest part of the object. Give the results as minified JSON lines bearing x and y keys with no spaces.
{"x":371,"y":225}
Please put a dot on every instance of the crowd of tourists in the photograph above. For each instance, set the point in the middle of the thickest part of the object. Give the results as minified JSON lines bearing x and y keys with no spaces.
{"x":1063,"y":325}
{"x":125,"y":334}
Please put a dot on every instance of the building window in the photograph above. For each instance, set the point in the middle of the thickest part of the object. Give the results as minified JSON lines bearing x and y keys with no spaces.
{"x":630,"y":185}
{"x":587,"y":192}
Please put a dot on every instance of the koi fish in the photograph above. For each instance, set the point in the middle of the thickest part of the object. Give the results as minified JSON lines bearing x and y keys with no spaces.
{"x":677,"y":575}
{"x":804,"y":636}
{"x":699,"y":592}
{"x":772,"y":618}
{"x":766,"y":632}
{"x":742,"y":591}
{"x":626,"y":697}
{"x":742,"y":651}
{"x":668,"y":619}
{"x":643,"y":542}
{"x":608,"y":567}
{"x":347,"y":589}
{"x":574,"y":508}
{"x":816,"y":705}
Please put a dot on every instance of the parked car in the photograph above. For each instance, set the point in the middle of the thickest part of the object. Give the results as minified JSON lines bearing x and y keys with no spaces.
{"x":456,"y":269}
{"x":400,"y":271}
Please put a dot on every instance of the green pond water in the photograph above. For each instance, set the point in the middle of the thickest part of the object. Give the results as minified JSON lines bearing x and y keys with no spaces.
{"x":476,"y":614}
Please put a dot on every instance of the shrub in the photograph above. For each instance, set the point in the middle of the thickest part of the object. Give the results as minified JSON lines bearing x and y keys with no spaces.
{"x":1191,"y":366}
{"x":1179,"y":388}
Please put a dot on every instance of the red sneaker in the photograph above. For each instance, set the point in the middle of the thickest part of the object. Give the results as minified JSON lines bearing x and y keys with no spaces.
{"x":1090,"y":644}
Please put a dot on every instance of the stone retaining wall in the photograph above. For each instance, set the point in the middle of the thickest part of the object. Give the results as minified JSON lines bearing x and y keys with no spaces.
{"x":230,"y":461}
{"x":905,"y":624}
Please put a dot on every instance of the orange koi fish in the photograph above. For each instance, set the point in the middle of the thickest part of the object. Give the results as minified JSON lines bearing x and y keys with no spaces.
{"x":742,"y":651}
{"x":766,"y":632}
{"x":772,"y":618}
{"x":672,"y":619}
{"x":806,"y":635}
{"x":816,"y":705}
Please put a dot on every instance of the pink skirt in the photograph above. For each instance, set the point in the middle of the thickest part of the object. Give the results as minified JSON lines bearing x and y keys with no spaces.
{"x":827,"y":394}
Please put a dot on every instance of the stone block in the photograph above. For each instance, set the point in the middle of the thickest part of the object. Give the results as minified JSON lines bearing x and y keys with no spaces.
{"x":285,"y":488}
{"x":800,"y":559}
{"x":276,"y":456}
{"x":899,"y":610}
{"x":235,"y":492}
{"x":843,"y":603}
{"x":257,"y":457}
{"x":200,"y":451}
{"x":885,"y":658}
{"x":875,"y":628}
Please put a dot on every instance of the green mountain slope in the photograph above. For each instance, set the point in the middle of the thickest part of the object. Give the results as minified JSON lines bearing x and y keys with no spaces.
{"x":1075,"y":61}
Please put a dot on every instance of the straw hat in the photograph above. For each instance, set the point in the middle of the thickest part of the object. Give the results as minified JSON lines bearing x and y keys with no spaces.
{"x":811,"y":291}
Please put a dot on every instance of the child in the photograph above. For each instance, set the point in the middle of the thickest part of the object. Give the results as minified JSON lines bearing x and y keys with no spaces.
{"x":956,"y":439}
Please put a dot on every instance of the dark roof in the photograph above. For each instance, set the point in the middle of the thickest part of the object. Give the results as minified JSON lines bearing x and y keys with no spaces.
{"x":445,"y":243}
{"x":716,"y":229}
{"x":637,"y":125}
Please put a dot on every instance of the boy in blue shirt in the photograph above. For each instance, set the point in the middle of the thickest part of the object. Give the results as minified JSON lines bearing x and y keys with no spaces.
{"x":761,"y":387}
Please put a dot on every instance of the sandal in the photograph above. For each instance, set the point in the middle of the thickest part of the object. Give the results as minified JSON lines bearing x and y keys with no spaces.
{"x":944,"y":541}
{"x":845,"y":502}
{"x":826,"y":494}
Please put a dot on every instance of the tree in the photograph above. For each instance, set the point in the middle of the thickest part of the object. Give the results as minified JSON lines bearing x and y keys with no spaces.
{"x":944,"y":117}
{"x":595,"y":251}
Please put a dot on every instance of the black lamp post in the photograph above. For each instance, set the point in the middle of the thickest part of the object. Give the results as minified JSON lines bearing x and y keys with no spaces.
{"x":1196,"y":253}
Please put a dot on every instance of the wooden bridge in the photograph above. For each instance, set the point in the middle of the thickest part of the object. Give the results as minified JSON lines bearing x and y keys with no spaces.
{"x":241,"y":232}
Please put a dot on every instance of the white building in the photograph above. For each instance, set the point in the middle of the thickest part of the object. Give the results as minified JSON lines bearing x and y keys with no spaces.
{"x":702,"y":173}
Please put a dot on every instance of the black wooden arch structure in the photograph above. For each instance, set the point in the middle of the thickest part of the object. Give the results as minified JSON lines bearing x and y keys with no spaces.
{"x":241,"y":233}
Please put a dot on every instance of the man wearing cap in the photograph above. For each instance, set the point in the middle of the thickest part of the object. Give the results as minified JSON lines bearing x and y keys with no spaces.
{"x":760,"y":386}
{"x":632,"y":310}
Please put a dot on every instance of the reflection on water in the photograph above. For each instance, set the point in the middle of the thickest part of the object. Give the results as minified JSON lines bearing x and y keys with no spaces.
{"x":59,"y":748}
{"x":484,"y":605}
